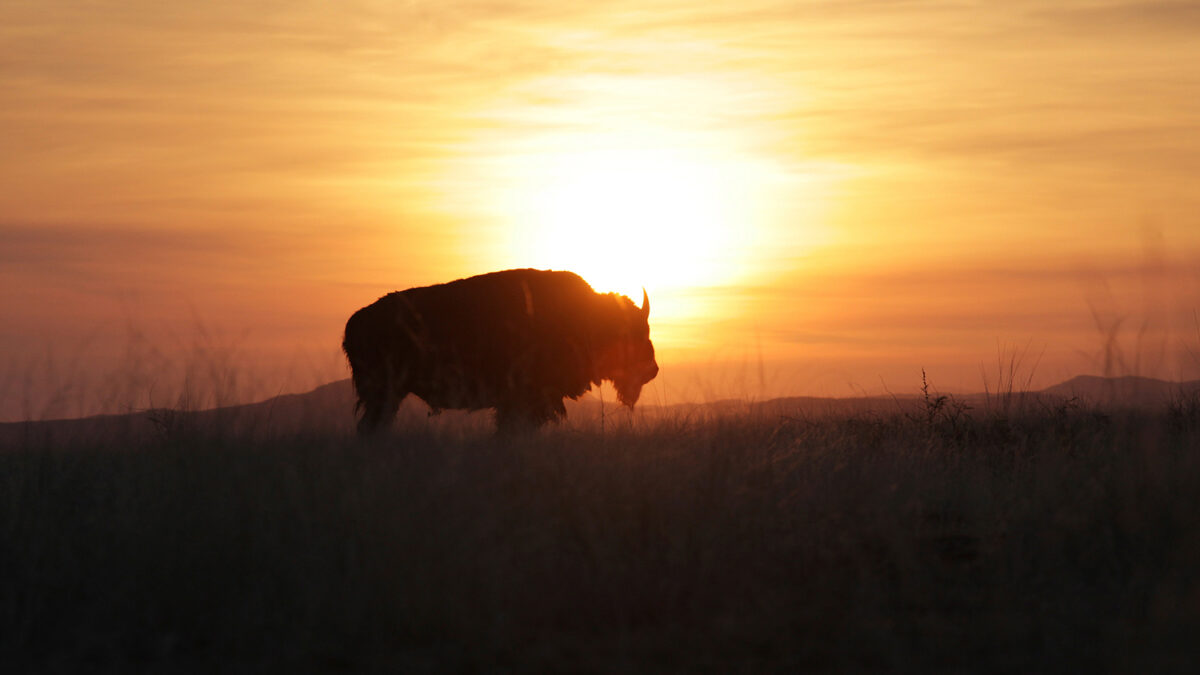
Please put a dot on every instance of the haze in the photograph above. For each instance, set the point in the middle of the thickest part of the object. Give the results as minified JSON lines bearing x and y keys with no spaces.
{"x":820,"y":197}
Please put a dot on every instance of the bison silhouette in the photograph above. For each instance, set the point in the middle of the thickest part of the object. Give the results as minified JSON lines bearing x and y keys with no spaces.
{"x":519,"y":341}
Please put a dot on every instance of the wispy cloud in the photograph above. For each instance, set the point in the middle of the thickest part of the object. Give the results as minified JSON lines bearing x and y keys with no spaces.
{"x":260,"y":146}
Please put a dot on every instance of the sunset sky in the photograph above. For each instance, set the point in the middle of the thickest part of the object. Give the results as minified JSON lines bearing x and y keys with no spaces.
{"x":820,"y":197}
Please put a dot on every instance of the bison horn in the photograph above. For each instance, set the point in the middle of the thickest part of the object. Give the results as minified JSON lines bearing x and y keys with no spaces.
{"x":645,"y":304}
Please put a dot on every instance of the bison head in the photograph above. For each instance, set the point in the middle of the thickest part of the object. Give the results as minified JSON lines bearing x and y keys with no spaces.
{"x":628,"y":359}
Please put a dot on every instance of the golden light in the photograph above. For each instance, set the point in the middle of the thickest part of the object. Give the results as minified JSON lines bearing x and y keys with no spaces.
{"x":628,"y":218}
{"x":632,"y":182}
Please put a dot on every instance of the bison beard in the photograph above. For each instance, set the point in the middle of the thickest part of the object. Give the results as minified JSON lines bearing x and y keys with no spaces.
{"x":519,"y":341}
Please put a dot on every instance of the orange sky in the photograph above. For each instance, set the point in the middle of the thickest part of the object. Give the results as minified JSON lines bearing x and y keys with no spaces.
{"x":821,"y":197}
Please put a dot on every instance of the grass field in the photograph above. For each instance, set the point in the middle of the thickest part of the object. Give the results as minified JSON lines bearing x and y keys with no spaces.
{"x":1049,"y":539}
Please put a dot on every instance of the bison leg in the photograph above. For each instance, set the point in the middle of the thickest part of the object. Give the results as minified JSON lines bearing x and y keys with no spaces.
{"x":378,"y":413}
{"x":512,"y":420}
{"x":378,"y":401}
{"x":527,"y":416}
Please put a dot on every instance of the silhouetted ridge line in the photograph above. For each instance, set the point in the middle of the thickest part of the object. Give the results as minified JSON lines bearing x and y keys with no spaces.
{"x":329,"y":409}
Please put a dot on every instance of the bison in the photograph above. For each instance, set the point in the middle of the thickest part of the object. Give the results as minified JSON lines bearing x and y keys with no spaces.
{"x":518,"y":341}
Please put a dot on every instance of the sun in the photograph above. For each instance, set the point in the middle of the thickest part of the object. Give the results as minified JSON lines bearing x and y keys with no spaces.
{"x":631,"y":218}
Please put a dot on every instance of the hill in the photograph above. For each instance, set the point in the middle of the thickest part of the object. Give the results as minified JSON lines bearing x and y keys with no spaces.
{"x":1128,"y":391}
{"x":329,"y":409}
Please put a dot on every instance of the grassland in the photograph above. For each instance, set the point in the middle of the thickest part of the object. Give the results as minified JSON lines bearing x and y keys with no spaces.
{"x":1050,"y":538}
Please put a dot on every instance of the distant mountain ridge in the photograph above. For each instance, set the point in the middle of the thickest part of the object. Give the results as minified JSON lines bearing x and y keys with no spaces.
{"x":1128,"y":390}
{"x":329,"y":408}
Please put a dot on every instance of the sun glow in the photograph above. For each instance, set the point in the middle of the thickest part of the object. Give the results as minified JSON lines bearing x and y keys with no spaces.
{"x":624,"y":219}
{"x":570,"y":174}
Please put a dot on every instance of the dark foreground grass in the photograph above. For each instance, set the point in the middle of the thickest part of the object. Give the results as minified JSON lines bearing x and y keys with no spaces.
{"x":1060,"y":541}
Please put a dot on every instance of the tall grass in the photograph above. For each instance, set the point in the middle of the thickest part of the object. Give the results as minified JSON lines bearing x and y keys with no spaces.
{"x":1054,"y":540}
{"x":191,"y":367}
{"x":1016,"y":368}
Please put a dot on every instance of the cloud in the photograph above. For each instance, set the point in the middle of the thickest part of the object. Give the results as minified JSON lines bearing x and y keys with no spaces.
{"x":1179,"y":18}
{"x":93,"y":255}
{"x":250,"y":149}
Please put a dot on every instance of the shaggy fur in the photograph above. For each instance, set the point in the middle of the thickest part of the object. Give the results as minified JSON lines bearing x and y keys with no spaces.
{"x":518,"y":341}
